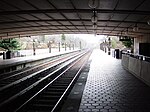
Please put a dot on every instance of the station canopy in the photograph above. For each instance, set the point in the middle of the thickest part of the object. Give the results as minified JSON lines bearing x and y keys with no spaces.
{"x":20,"y":18}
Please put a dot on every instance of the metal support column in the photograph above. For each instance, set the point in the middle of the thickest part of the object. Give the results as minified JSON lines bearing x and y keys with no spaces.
{"x":59,"y":46}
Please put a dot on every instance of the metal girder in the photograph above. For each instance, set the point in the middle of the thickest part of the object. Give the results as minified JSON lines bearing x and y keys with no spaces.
{"x":74,"y":11}
{"x":49,"y":26}
{"x":56,"y":30}
{"x":37,"y":33}
{"x":32,"y":33}
{"x":49,"y":20}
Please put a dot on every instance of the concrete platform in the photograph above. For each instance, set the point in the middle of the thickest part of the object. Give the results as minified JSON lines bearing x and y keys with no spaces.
{"x":22,"y":60}
{"x":110,"y":88}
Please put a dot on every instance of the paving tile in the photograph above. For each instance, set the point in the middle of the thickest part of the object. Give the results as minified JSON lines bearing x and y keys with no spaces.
{"x":95,"y":110}
{"x":110,"y":88}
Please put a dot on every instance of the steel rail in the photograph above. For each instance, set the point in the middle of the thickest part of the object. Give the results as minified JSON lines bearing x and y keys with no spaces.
{"x":36,"y":83}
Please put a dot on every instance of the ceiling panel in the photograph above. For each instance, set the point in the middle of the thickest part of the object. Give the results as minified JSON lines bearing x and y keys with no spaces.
{"x":71,"y":27}
{"x":128,"y":4}
{"x":86,"y":15}
{"x":119,"y":28}
{"x":73,"y":14}
{"x":53,"y":27}
{"x":108,"y":28}
{"x":145,"y":6}
{"x":41,"y":16}
{"x":143,"y":26}
{"x":54,"y":23}
{"x":102,"y":23}
{"x":125,"y":24}
{"x":43,"y":23}
{"x":104,"y":16}
{"x":19,"y":4}
{"x":81,"y":27}
{"x":107,"y":4}
{"x":113,"y":23}
{"x":32,"y":23}
{"x":81,"y":4}
{"x":56,"y":16}
{"x":62,"y":27}
{"x":4,"y":18}
{"x":34,"y":28}
{"x":77,"y":22}
{"x":6,"y":7}
{"x":14,"y":17}
{"x":65,"y":23}
{"x":41,"y":5}
{"x":28,"y":17}
{"x":2,"y":27}
{"x":88,"y":23}
{"x":10,"y":25}
{"x":119,"y":17}
{"x":61,"y":4}
{"x":100,"y":28}
{"x":135,"y":17}
{"x":89,"y":27}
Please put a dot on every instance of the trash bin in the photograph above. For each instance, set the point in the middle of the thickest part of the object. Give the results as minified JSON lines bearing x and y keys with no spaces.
{"x":8,"y":55}
{"x":117,"y":53}
{"x":4,"y":55}
{"x":121,"y":54}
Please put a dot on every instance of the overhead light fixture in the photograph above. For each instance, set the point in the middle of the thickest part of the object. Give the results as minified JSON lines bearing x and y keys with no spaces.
{"x":94,"y":26}
{"x":148,"y":22}
{"x":135,"y":28}
{"x":94,"y":17}
{"x":93,"y":3}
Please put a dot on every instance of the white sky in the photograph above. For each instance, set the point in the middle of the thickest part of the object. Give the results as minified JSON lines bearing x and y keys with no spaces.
{"x":90,"y":38}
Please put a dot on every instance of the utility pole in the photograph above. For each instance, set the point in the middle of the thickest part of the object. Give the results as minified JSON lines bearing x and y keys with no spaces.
{"x":34,"y":47}
{"x":50,"y":47}
{"x":80,"y":45}
{"x":65,"y":46}
{"x":69,"y":46}
{"x":59,"y":46}
{"x":109,"y":45}
{"x":73,"y":46}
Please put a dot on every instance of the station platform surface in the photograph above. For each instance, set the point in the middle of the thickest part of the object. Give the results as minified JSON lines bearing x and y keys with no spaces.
{"x":110,"y":88}
{"x":19,"y":60}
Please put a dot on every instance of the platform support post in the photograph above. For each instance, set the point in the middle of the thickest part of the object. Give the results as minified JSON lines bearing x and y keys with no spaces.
{"x":69,"y":46}
{"x":73,"y":46}
{"x":34,"y":47}
{"x":50,"y":47}
{"x":59,"y":46}
{"x":65,"y":46}
{"x":80,"y":45}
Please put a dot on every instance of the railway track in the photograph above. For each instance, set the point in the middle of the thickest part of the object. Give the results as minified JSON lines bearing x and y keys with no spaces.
{"x":27,"y":78}
{"x":50,"y":83}
{"x":14,"y":75}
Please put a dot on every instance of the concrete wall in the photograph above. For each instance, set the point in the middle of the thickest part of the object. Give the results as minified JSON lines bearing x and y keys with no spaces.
{"x":125,"y":61}
{"x":140,"y":39}
{"x":145,"y":71}
{"x":139,"y":68}
{"x":134,"y":66}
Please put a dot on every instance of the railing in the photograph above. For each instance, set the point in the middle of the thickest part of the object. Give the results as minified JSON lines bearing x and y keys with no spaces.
{"x":137,"y":56}
{"x":138,"y":65}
